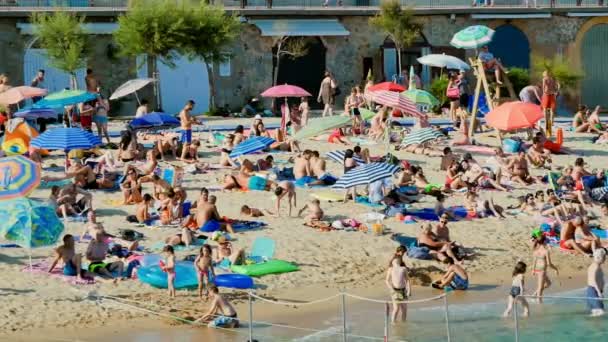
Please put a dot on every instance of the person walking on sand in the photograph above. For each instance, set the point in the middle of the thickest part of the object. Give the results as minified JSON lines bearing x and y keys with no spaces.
{"x":595,"y":283}
{"x":398,"y":284}
{"x":169,"y":268}
{"x":327,"y":94}
{"x":186,"y":121}
{"x":549,"y":100}
{"x":517,"y":290}
{"x":542,"y":260}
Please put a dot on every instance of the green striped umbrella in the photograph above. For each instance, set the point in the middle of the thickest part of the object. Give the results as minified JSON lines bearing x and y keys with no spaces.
{"x":320,"y":125}
{"x":420,"y":96}
{"x":421,"y":136}
{"x":366,"y":114}
{"x":472,"y":37}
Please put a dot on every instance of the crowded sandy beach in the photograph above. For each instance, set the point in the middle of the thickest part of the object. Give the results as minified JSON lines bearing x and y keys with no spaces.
{"x":392,"y":197}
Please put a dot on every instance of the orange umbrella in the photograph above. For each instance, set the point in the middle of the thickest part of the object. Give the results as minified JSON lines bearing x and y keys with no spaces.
{"x":17,"y":94}
{"x":514,"y":115}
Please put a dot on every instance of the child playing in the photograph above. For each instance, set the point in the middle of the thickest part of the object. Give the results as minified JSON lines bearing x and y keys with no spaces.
{"x":253,"y":212}
{"x":205,"y":271}
{"x":143,"y":209}
{"x":595,"y":283}
{"x":169,"y":268}
{"x":517,"y":289}
{"x":315,"y":213}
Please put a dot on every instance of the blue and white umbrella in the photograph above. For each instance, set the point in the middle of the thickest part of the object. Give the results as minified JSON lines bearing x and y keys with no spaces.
{"x":251,"y":145}
{"x":366,"y":174}
{"x":422,"y":136}
{"x":338,"y":157}
{"x":154,"y":120}
{"x":66,"y":139}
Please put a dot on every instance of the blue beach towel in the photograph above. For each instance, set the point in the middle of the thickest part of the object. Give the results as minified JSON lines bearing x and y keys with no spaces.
{"x":428,"y":214}
{"x":365,"y":201}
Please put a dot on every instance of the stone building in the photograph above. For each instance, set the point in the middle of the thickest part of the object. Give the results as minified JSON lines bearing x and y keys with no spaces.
{"x":339,"y":39}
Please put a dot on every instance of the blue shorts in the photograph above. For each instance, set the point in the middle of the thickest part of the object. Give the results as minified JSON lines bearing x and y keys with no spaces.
{"x":223,"y":321}
{"x":328,"y":179}
{"x":304,"y":180}
{"x":211,"y":226}
{"x":100,"y":119}
{"x":69,"y":269}
{"x":459,"y":284}
{"x":257,"y":183}
{"x":593,"y":304}
{"x":186,"y":137}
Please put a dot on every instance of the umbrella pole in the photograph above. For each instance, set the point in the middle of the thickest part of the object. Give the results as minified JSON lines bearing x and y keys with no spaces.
{"x":137,"y":98}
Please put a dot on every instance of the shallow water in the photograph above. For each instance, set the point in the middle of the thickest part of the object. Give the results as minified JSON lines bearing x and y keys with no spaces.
{"x":556,"y":319}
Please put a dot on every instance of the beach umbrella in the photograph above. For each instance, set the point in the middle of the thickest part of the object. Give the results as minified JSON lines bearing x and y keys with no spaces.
{"x":251,"y":145}
{"x":320,"y":125}
{"x":366,"y":174}
{"x":285,"y":91}
{"x":19,"y":176}
{"x":514,"y":115}
{"x":338,"y":156}
{"x":36,"y":113}
{"x":17,"y":94}
{"x":154,"y":120}
{"x":366,"y":114}
{"x":66,"y":139}
{"x":387,"y":86}
{"x":29,"y":223}
{"x":65,"y":98}
{"x":472,"y":37}
{"x":131,"y":87}
{"x":443,"y":61}
{"x":421,"y":136}
{"x":419,"y":96}
{"x":14,"y":147}
{"x":396,"y":101}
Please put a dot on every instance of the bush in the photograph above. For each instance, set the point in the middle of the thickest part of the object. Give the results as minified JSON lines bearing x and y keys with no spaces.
{"x":438,"y":88}
{"x":520,"y":78}
{"x":562,"y":70}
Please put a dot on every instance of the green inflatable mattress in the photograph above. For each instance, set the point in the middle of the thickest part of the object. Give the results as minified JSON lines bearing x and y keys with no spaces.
{"x":270,"y":267}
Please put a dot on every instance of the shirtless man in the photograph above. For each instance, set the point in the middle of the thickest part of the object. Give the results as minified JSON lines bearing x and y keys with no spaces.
{"x":455,"y":277}
{"x":537,"y":154}
{"x":447,"y":158}
{"x":221,"y":313}
{"x":146,"y":168}
{"x":317,"y":168}
{"x":142,"y":212}
{"x":96,"y":254}
{"x":91,"y":82}
{"x":72,"y":262}
{"x":567,"y":237}
{"x":203,"y":197}
{"x":70,"y":192}
{"x":207,"y":218}
{"x":86,"y":178}
{"x":160,"y":185}
{"x":442,"y":232}
{"x":282,"y":189}
{"x":441,"y":249}
{"x":166,"y":144}
{"x":301,"y":167}
{"x":186,"y":121}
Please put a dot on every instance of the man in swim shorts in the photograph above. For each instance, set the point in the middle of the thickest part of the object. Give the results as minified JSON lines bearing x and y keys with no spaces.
{"x":186,"y":121}
{"x":71,"y":260}
{"x":96,"y":254}
{"x":208,"y":218}
{"x":221,"y":314}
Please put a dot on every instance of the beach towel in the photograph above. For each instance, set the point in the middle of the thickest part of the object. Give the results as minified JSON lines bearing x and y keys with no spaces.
{"x":429,"y":214}
{"x":301,"y":182}
{"x":113,"y":202}
{"x":403,"y":240}
{"x":365,"y":201}
{"x":50,"y":184}
{"x":42,"y":268}
{"x":247,"y":225}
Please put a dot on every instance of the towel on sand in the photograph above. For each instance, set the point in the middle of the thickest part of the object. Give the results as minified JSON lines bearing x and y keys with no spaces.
{"x":42,"y":268}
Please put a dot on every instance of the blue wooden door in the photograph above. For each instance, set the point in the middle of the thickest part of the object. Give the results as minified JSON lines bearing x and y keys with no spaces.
{"x":54,"y":79}
{"x":187,"y":81}
{"x":511,"y":46}
{"x":594,"y":52}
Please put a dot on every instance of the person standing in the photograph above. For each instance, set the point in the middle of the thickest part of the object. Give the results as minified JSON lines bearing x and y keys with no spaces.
{"x":91,"y":82}
{"x":186,"y":121}
{"x":530,"y":94}
{"x":102,"y":107}
{"x":304,"y":110}
{"x":38,"y":82}
{"x":463,"y":87}
{"x":327,"y":94}
{"x":399,"y":285}
{"x":595,"y":283}
{"x":549,"y":99}
{"x":453,"y":94}
{"x":4,"y":86}
{"x":86,"y":110}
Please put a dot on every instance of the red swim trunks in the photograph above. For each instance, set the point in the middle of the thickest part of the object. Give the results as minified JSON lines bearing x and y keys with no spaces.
{"x":562,"y":245}
{"x":548,"y":102}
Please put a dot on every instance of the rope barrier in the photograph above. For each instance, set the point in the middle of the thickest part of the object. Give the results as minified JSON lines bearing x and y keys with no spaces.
{"x":294,"y":303}
{"x":558,"y":297}
{"x":390,"y":302}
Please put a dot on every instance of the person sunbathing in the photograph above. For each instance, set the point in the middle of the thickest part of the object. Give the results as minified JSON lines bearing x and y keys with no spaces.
{"x":186,"y":238}
{"x":475,"y":175}
{"x":337,"y":137}
{"x":446,"y":158}
{"x":192,"y":152}
{"x":423,"y":149}
{"x":568,"y":237}
{"x":72,"y":261}
{"x":131,"y":188}
{"x":283,"y":143}
{"x":97,"y":252}
{"x":253,"y":212}
{"x":317,"y":168}
{"x":423,"y":184}
{"x":454,"y":174}
{"x":145,"y":168}
{"x":518,"y":167}
{"x":568,"y":186}
{"x":227,"y":146}
{"x":438,"y":249}
{"x":226,"y":255}
{"x":167,"y":144}
{"x":69,"y":195}
{"x":265,"y":164}
{"x":481,"y":207}
{"x":530,"y":206}
{"x":378,"y":124}
{"x":86,"y":178}
{"x":538,"y":155}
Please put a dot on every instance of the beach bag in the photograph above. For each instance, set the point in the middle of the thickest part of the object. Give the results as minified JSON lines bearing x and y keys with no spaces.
{"x":511,"y":146}
{"x":420,"y":253}
{"x":453,"y":92}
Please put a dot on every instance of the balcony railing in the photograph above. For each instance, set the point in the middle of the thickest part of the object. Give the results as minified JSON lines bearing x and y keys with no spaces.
{"x":91,"y":5}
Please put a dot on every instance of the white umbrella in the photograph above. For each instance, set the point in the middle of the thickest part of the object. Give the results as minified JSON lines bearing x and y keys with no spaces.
{"x":443,"y":61}
{"x":130,"y":87}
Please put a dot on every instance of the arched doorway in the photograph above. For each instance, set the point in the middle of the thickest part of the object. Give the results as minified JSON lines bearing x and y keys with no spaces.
{"x":306,"y":71}
{"x":594,"y":52}
{"x":409,"y":57}
{"x":511,"y":46}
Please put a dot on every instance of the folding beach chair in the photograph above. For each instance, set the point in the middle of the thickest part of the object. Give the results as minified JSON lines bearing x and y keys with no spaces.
{"x":262,"y":250}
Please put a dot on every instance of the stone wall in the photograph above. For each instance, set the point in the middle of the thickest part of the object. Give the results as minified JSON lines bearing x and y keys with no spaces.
{"x":12,"y":46}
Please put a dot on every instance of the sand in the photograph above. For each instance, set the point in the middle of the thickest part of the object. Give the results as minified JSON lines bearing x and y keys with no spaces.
{"x":328,"y":260}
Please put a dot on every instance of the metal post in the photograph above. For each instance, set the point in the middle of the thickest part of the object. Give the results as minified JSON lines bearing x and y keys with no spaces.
{"x":386,"y":319}
{"x":447,"y":317}
{"x":250,"y":317}
{"x":516,"y":319}
{"x":344,"y":337}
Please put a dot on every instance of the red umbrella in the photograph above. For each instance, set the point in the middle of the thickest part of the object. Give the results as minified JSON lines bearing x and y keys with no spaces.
{"x":388,"y":86}
{"x":514,"y":115}
{"x":285,"y":90}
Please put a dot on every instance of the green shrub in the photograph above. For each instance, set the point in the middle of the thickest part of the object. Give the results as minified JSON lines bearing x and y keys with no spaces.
{"x":519,"y":78}
{"x":438,"y":88}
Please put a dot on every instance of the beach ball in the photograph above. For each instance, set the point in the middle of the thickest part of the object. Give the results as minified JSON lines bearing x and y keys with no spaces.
{"x":14,"y":147}
{"x":399,"y":217}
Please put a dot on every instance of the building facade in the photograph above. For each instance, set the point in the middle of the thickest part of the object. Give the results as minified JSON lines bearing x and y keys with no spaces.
{"x":339,"y":39}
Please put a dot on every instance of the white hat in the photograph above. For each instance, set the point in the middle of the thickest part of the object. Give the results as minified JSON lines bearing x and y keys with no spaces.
{"x":257,"y":117}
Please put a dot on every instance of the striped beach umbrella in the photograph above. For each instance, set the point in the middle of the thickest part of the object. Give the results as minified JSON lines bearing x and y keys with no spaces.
{"x":17,"y":94}
{"x":320,"y":125}
{"x":65,"y":98}
{"x":338,"y":157}
{"x":66,"y":139}
{"x":29,"y":223}
{"x":19,"y":176}
{"x":396,"y":101}
{"x":154,"y":120}
{"x":422,"y":136}
{"x":366,"y":174}
{"x":251,"y":145}
{"x":419,"y":96}
{"x":472,"y":37}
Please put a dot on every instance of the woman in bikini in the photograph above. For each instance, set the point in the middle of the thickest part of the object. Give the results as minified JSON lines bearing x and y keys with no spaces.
{"x":580,"y":122}
{"x":227,"y":146}
{"x":518,"y":167}
{"x":542,"y":260}
{"x":131,"y":188}
{"x":453,"y":178}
